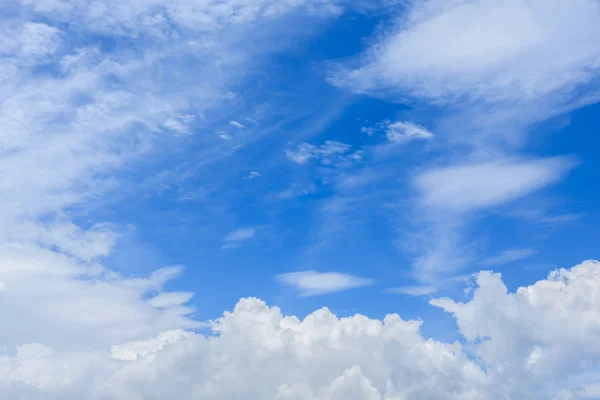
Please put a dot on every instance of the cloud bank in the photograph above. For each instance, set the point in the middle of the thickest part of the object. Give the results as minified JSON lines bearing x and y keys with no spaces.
{"x":540,"y":342}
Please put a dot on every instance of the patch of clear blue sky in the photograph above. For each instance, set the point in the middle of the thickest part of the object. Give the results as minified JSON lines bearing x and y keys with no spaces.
{"x":184,"y":217}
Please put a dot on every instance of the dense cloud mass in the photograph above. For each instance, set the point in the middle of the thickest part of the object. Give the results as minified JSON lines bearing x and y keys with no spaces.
{"x":540,"y":342}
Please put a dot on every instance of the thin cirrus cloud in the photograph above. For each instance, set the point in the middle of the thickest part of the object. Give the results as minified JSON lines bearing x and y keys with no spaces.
{"x":237,"y":237}
{"x":413,"y":290}
{"x":509,"y":256}
{"x":313,"y":283}
{"x":477,"y":186}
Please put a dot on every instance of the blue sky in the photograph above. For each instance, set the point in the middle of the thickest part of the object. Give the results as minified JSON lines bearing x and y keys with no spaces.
{"x":282,"y":204}
{"x":165,"y":161}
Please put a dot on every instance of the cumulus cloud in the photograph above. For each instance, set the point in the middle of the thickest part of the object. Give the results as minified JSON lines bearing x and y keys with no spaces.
{"x":540,"y":342}
{"x":477,"y":186}
{"x":546,"y":331}
{"x":313,"y":283}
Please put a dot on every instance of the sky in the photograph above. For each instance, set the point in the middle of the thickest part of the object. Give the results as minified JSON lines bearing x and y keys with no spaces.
{"x":299,"y":199}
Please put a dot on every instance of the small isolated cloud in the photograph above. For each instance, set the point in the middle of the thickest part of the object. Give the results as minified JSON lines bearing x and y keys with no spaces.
{"x":368,"y":130}
{"x":306,"y":151}
{"x":399,"y":132}
{"x":313,"y":283}
{"x":237,"y":124}
{"x":476,"y":186}
{"x":509,"y":256}
{"x":403,"y":132}
{"x":235,"y":238}
{"x":252,"y":175}
{"x":413,"y":290}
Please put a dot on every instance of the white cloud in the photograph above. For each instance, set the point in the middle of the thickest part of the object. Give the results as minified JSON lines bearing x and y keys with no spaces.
{"x":237,"y":124}
{"x":404,"y":132}
{"x":33,"y":40}
{"x":476,"y":186}
{"x":513,"y":50}
{"x":301,"y":154}
{"x":253,"y":174}
{"x":179,"y":124}
{"x":306,"y":151}
{"x":487,"y":71}
{"x":170,"y":299}
{"x":543,"y":331}
{"x":313,"y":283}
{"x":235,"y":238}
{"x":368,"y":130}
{"x":133,"y":350}
{"x":413,"y":290}
{"x":509,"y":256}
{"x":538,"y":343}
{"x":64,"y":300}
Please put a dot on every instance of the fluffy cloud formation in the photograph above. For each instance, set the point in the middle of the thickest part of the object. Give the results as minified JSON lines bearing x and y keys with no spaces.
{"x":548,"y":331}
{"x":538,"y":343}
{"x":313,"y":283}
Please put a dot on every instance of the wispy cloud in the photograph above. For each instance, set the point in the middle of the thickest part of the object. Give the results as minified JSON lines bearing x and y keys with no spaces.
{"x":237,"y":124}
{"x":444,"y":51}
{"x":493,"y":87}
{"x":314,"y":283}
{"x":509,"y":256}
{"x":476,"y":186}
{"x":236,"y":238}
{"x":413,"y":290}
